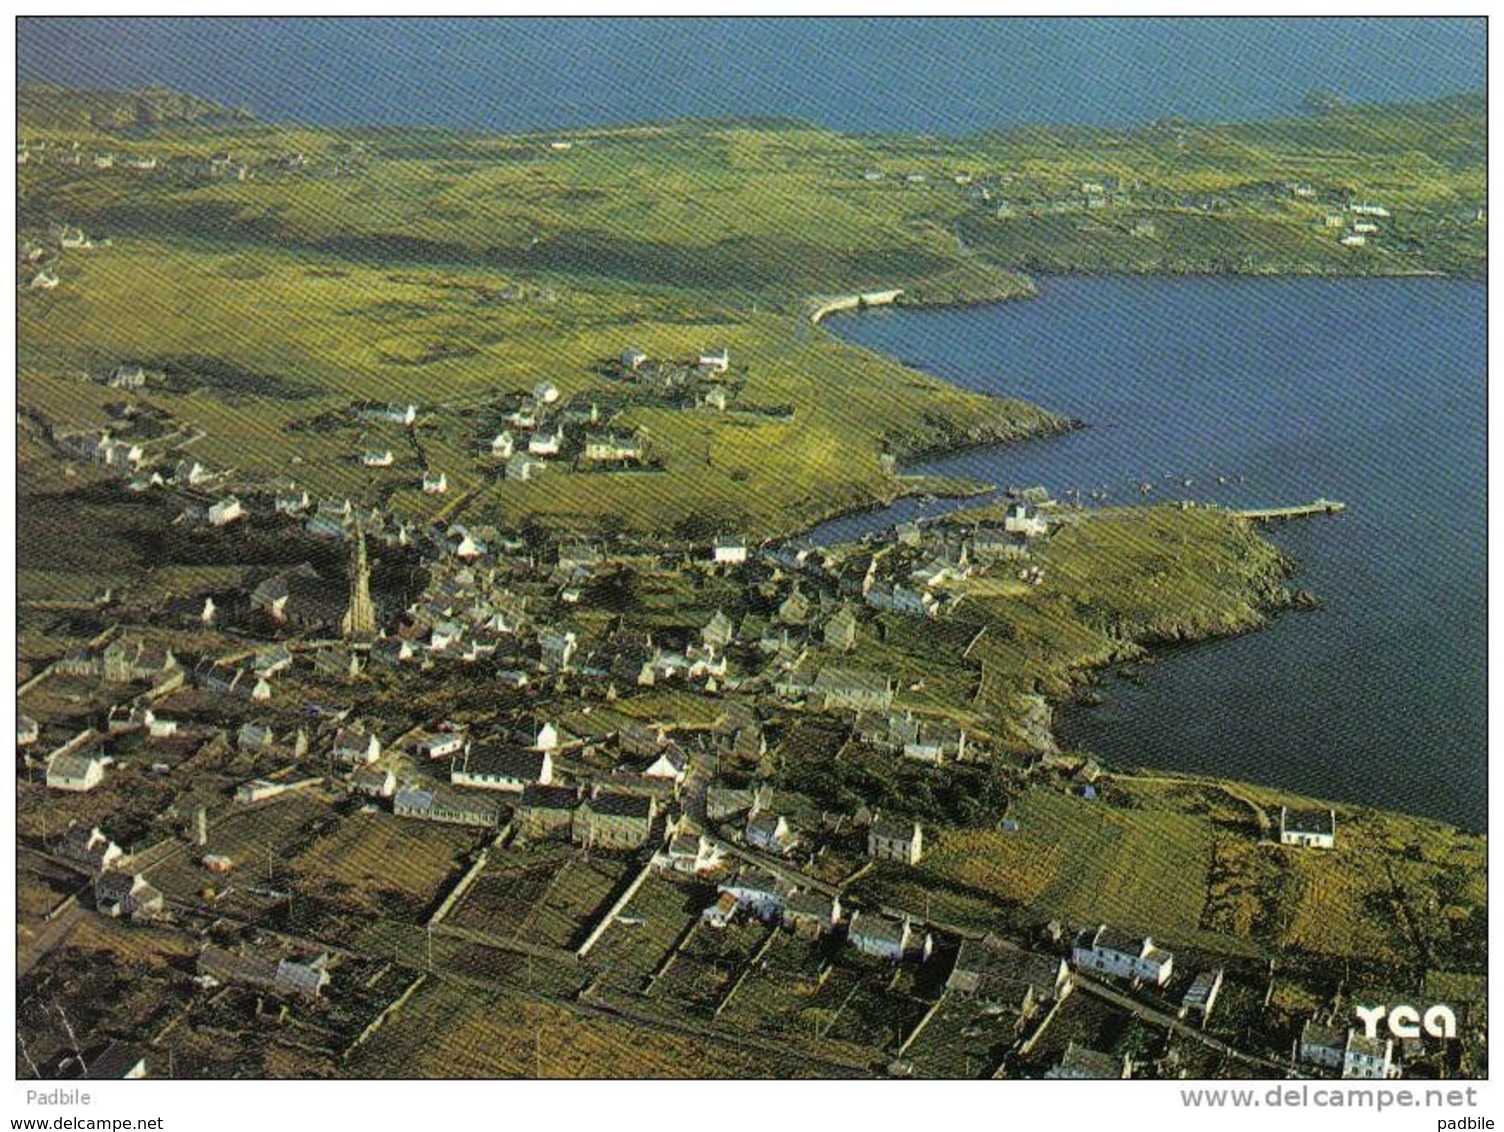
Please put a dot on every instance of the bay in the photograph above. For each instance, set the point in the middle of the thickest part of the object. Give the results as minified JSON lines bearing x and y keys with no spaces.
{"x":1253,"y":392}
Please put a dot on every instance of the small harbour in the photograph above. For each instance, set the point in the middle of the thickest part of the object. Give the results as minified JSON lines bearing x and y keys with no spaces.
{"x":1257,"y":394}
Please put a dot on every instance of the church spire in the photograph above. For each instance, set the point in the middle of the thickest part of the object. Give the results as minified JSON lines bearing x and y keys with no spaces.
{"x":360,"y":618}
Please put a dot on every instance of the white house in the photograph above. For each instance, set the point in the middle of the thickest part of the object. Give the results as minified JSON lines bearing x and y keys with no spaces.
{"x":546,"y":442}
{"x":392,"y":414}
{"x":1321,"y":1045}
{"x":889,"y":840}
{"x":354,"y":746}
{"x":89,"y":845}
{"x":435,"y":484}
{"x":75,"y":772}
{"x":670,"y":763}
{"x":693,"y":854}
{"x":524,"y":416}
{"x":887,"y":939}
{"x":1022,"y":519}
{"x":1111,"y":952}
{"x":190,"y":473}
{"x":291,"y":502}
{"x":224,"y":511}
{"x":771,"y":833}
{"x":717,"y":360}
{"x":729,"y":550}
{"x":935,"y":742}
{"x":502,"y":768}
{"x":27,"y":731}
{"x":557,"y":649}
{"x":1368,"y":1058}
{"x":1312,"y":829}
{"x":377,"y":458}
{"x":759,"y":892}
{"x":501,"y":445}
{"x":440,"y":745}
{"x":545,"y":393}
{"x":374,"y":781}
{"x":521,"y":467}
{"x":1202,"y":994}
{"x":121,"y":454}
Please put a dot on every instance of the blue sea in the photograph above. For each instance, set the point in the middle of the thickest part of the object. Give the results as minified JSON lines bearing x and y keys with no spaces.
{"x":1265,"y":392}
{"x":869,"y":75}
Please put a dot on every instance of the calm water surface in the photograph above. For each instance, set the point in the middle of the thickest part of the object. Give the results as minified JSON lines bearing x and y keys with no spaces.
{"x":1263,"y":392}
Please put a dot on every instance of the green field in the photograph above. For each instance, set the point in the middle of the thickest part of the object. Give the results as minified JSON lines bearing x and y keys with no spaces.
{"x":449,"y":270}
{"x":1182,"y":861}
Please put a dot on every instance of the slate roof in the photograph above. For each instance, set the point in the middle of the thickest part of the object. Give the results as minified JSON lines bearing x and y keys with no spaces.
{"x":622,"y":806}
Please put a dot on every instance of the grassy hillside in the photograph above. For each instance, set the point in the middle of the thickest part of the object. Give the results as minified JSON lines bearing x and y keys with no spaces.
{"x":296,"y":337}
{"x":308,"y":268}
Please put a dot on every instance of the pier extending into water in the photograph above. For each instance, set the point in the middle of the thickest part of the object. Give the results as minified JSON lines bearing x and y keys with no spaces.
{"x":823,"y":307}
{"x":1300,"y":511}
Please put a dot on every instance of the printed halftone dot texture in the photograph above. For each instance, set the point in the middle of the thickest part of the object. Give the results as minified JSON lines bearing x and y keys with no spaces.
{"x":912,"y":75}
{"x":444,"y":267}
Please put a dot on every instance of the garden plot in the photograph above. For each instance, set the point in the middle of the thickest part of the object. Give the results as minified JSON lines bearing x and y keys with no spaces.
{"x":548,"y":895}
{"x":652,"y":924}
{"x":386,"y":864}
{"x":707,"y":965}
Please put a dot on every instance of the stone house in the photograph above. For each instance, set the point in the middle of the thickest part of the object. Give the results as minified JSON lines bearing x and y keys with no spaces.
{"x":89,"y":845}
{"x":1081,"y":1063}
{"x":811,"y":914}
{"x":853,"y":689}
{"x":992,"y":970}
{"x":614,"y":821}
{"x":545,"y":812}
{"x":892,"y":840}
{"x":771,"y":833}
{"x":126,"y":894}
{"x":452,"y":807}
{"x":1201,"y":996}
{"x":840,"y":630}
{"x":355,"y":746}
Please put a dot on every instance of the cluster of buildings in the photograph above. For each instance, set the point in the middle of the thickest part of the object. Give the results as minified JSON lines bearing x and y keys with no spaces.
{"x":701,"y":382}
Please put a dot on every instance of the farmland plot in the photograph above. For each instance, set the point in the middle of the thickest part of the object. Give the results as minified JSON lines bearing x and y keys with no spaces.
{"x":654,"y":921}
{"x":380,"y":862}
{"x":548,"y":895}
{"x":707,"y":965}
{"x":450,"y":1031}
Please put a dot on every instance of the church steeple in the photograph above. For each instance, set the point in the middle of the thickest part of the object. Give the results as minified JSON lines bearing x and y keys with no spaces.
{"x":360,"y":618}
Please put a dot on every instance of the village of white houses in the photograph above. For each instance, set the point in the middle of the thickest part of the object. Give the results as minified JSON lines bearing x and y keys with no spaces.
{"x":525,"y":600}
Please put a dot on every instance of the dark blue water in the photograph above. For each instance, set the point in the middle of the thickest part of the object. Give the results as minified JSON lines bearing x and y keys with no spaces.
{"x":1368,"y":391}
{"x":876,"y":74}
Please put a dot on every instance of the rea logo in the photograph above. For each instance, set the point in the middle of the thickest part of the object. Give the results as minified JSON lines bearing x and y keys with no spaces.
{"x":1407,"y":1021}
